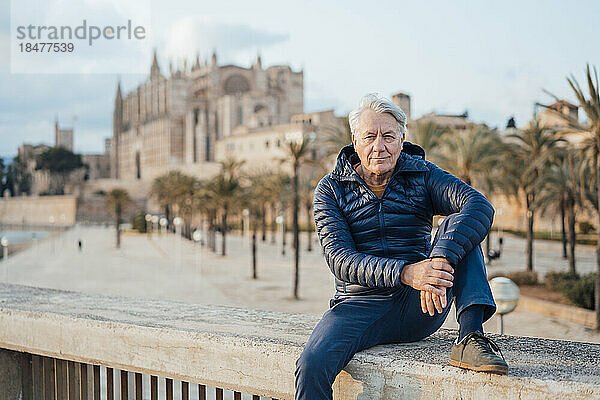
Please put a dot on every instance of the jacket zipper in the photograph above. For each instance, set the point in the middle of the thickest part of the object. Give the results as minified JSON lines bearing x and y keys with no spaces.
{"x":380,"y":211}
{"x":382,"y":228}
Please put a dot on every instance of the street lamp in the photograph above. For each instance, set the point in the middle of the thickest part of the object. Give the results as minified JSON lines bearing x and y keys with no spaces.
{"x":279,"y":221}
{"x":4,"y":244}
{"x":177,"y":222}
{"x":506,"y":295}
{"x":197,"y":237}
{"x":163,"y":224}
{"x":148,"y":218}
{"x":154,"y":220}
{"x":246,"y":214}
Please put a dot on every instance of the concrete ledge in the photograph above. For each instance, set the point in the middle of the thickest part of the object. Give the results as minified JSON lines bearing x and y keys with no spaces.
{"x":562,"y":311}
{"x":255,"y":351}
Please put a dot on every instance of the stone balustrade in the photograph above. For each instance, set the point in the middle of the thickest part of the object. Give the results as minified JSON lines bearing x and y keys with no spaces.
{"x":61,"y":344}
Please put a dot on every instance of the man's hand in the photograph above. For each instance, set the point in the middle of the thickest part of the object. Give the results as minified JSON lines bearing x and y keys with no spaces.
{"x":431,"y":277}
{"x":431,"y":302}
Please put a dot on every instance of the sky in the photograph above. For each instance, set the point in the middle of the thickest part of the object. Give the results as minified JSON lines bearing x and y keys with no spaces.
{"x":494,"y":59}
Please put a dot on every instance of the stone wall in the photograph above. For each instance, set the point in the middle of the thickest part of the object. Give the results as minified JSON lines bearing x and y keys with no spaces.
{"x":38,"y":210}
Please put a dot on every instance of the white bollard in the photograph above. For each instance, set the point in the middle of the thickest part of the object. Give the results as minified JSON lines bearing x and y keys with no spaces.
{"x":4,"y":244}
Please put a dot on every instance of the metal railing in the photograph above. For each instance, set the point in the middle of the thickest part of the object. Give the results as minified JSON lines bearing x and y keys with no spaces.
{"x":52,"y":378}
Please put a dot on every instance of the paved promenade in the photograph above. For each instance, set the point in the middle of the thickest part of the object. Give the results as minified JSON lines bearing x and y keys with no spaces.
{"x":163,"y":267}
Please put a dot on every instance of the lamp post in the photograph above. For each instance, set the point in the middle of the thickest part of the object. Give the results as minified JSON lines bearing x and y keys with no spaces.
{"x":163,"y":225}
{"x":197,"y":237}
{"x":4,"y":244}
{"x":154,"y":221}
{"x":246,"y":214}
{"x":506,"y":295}
{"x":279,"y":221}
{"x":177,"y":222}
{"x":148,"y":218}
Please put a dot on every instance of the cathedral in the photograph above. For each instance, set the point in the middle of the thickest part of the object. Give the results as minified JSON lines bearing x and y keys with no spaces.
{"x":176,"y":121}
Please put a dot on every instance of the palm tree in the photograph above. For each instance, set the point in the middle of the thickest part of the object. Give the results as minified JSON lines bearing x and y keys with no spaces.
{"x":334,"y":137}
{"x":276,"y":191}
{"x":227,"y":191}
{"x":429,"y":136}
{"x":590,"y":104}
{"x":560,"y":189}
{"x":529,"y":151}
{"x":297,"y":151}
{"x":307,"y":187}
{"x":204,"y":200}
{"x":254,"y":197}
{"x":174,"y":192}
{"x":117,"y":200}
{"x":472,"y":154}
{"x":161,"y":191}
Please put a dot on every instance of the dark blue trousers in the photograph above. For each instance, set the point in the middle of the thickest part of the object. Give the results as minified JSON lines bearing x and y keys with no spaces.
{"x":359,"y":322}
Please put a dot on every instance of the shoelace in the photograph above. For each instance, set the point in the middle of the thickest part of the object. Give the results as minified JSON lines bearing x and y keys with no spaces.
{"x":482,"y":341}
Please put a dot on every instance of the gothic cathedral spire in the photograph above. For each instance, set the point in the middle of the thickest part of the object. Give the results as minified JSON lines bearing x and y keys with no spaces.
{"x":154,"y":69}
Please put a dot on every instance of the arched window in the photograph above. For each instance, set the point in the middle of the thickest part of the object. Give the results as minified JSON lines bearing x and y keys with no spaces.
{"x":236,"y":84}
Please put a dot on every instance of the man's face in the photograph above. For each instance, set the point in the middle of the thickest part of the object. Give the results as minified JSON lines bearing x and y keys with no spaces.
{"x":378,"y":141}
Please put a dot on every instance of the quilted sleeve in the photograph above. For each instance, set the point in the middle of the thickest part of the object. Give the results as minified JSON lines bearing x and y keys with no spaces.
{"x":451,"y":195}
{"x":345,"y":262}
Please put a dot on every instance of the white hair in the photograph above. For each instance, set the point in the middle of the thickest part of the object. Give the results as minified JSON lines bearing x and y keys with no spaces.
{"x":379,"y":104}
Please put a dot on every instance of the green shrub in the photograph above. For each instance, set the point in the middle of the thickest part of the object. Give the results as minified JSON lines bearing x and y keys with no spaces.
{"x":554,"y":279}
{"x":586,"y":228}
{"x":138,"y":221}
{"x":580,"y":291}
{"x":523,"y":278}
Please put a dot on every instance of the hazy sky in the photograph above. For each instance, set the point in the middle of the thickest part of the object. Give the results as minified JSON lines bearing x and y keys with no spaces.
{"x":490,"y":58}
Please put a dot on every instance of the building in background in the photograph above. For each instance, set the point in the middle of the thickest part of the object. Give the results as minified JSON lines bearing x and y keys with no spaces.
{"x":31,"y":180}
{"x":266,"y":146}
{"x":177,"y":120}
{"x":548,"y":117}
{"x":63,"y":137}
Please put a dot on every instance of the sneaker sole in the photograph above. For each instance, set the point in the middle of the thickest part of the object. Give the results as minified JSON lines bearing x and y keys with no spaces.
{"x":492,"y":369}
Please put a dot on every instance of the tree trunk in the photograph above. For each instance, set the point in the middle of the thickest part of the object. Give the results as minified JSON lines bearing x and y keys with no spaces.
{"x":283,"y":232}
{"x":264,"y":222}
{"x":564,"y":231}
{"x":254,"y":254}
{"x":223,"y":231}
{"x":118,"y":219}
{"x":571,"y":223}
{"x":529,"y":250}
{"x":296,"y":232}
{"x":213,"y":232}
{"x":308,"y":228}
{"x":597,"y":285}
{"x":168,"y":216}
{"x":273,"y":222}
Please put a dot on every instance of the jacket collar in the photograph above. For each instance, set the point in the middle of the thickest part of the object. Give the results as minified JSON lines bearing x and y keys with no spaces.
{"x":411,"y":159}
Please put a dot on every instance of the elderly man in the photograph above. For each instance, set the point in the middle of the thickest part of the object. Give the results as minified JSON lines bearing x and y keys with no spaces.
{"x":374,"y":214}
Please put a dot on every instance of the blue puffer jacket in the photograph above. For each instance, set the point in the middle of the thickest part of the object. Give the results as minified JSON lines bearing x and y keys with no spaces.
{"x":367,"y":241}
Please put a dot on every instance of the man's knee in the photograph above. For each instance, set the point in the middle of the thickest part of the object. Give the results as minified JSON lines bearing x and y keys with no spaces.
{"x":311,"y":363}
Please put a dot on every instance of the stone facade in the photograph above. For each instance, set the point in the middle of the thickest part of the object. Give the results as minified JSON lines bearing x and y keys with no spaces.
{"x":63,"y":137}
{"x":549,"y":119}
{"x":39,"y":211}
{"x":265,"y":147}
{"x":177,"y":120}
{"x":98,"y":166}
